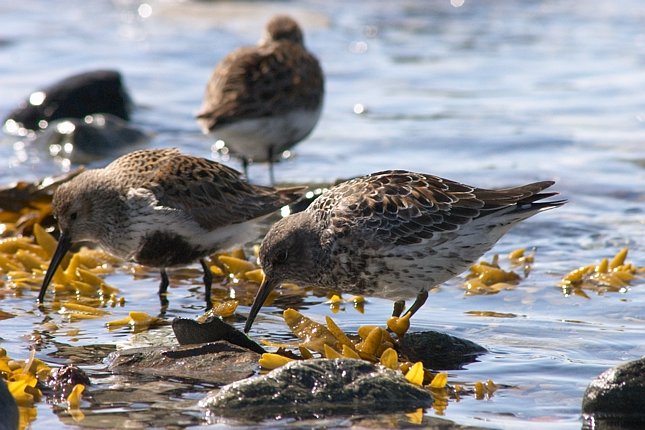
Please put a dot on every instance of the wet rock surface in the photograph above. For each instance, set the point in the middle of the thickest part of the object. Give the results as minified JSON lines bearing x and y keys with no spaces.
{"x":440,"y":351}
{"x":8,"y":408}
{"x":62,"y":380}
{"x":218,"y":363}
{"x":616,"y":398}
{"x":96,"y":91}
{"x":189,"y":331}
{"x":317,"y":388}
{"x":90,"y":138}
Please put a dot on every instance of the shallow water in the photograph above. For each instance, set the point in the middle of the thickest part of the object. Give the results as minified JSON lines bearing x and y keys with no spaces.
{"x":489,"y":93}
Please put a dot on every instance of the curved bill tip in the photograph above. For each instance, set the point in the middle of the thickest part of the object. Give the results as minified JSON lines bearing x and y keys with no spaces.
{"x":64,"y":243}
{"x":264,"y":291}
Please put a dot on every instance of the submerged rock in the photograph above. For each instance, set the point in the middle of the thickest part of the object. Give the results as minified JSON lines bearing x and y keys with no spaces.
{"x":615,"y":399}
{"x":8,"y":408}
{"x":439,"y":350}
{"x":189,"y":332}
{"x":90,"y":138}
{"x":318,"y":388}
{"x":97,"y":91}
{"x":219,"y":363}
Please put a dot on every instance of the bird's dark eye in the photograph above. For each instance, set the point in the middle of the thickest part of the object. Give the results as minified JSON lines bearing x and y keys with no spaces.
{"x":281,"y":257}
{"x":73,"y":216}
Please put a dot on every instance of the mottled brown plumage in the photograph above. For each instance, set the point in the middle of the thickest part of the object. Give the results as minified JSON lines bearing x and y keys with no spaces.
{"x":262,"y":100}
{"x":162,"y":208}
{"x":392,"y":234}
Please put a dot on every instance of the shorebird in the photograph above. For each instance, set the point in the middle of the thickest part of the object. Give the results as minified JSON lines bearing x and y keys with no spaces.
{"x":161,"y":208}
{"x":392,"y":234}
{"x":262,"y":100}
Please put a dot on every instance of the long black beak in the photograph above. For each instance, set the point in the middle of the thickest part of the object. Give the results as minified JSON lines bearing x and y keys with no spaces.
{"x":64,"y":243}
{"x":265,"y":289}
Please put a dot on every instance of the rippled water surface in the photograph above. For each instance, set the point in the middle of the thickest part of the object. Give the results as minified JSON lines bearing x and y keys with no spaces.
{"x":489,"y":93}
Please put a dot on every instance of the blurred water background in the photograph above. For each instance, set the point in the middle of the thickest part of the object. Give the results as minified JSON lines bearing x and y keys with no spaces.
{"x":491,"y":93}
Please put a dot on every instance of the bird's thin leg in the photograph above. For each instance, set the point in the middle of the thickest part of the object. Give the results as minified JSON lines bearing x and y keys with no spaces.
{"x":421,"y":299}
{"x":245,"y":167}
{"x":163,"y":290}
{"x":208,"y":282}
{"x":399,"y":305}
{"x":270,"y":156}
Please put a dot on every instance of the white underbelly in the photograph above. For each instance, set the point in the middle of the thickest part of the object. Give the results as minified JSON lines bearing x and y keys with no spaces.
{"x":252,"y":138}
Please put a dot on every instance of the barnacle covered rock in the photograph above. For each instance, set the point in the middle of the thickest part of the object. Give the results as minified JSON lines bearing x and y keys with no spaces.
{"x":318,"y":388}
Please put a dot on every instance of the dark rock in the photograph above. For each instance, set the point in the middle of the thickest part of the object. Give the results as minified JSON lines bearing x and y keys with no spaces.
{"x":616,"y":398}
{"x":8,"y":408}
{"x":439,"y":350}
{"x":93,"y":137}
{"x":218,"y":362}
{"x":318,"y":388}
{"x":97,"y":91}
{"x":62,"y":380}
{"x":190,"y":332}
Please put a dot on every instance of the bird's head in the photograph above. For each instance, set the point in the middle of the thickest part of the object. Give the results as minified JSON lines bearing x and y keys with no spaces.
{"x":290,"y":252}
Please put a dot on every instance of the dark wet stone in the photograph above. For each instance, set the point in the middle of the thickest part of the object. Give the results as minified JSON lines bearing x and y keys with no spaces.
{"x":318,"y":388}
{"x":217,"y":362}
{"x":439,"y":350}
{"x":8,"y":408}
{"x":82,"y":354}
{"x":616,"y":398}
{"x":189,"y":332}
{"x":88,"y":139}
{"x":97,"y":91}
{"x":62,"y":380}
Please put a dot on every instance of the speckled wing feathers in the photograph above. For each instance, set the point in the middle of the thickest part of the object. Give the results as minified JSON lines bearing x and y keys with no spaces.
{"x":255,"y":82}
{"x":404,"y":208}
{"x":198,"y":186}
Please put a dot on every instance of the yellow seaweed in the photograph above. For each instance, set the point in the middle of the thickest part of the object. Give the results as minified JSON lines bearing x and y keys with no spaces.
{"x":236,"y":266}
{"x":272,"y":361}
{"x":619,"y":259}
{"x":225,"y":309}
{"x":8,"y":265}
{"x":516,"y":254}
{"x":399,"y":325}
{"x":255,"y":275}
{"x":331,"y":352}
{"x":313,"y":335}
{"x":335,"y":299}
{"x":74,"y":398}
{"x":339,"y":334}
{"x":137,"y":320}
{"x":45,"y":240}
{"x":372,"y":342}
{"x":415,"y":417}
{"x":390,"y":359}
{"x":305,"y":353}
{"x":440,"y":380}
{"x":12,"y":244}
{"x":350,"y":352}
{"x":603,"y":266}
{"x":72,"y":306}
{"x":415,"y":374}
{"x":89,"y":277}
{"x":29,"y":260}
